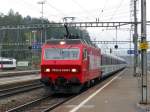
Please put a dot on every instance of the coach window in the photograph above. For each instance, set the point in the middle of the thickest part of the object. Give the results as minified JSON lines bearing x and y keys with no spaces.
{"x":84,"y":54}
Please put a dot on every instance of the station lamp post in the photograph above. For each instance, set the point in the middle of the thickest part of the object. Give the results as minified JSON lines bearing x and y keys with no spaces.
{"x":42,"y":19}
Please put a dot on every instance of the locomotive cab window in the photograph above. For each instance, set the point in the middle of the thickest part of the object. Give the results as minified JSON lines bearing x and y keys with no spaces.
{"x":62,"y":53}
{"x":85,"y":54}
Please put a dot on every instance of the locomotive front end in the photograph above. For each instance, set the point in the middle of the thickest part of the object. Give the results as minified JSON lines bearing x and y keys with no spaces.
{"x":61,"y":68}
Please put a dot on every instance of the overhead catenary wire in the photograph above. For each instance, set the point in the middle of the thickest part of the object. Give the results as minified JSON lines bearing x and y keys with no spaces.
{"x":107,"y":16}
{"x":88,"y":12}
{"x":61,"y":13}
{"x":102,"y":10}
{"x":34,"y":7}
{"x":28,"y":5}
{"x":96,"y":10}
{"x":120,"y":13}
{"x":81,"y":7}
{"x":58,"y":10}
{"x":117,"y":8}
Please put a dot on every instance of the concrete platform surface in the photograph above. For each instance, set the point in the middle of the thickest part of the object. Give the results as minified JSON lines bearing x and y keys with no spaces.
{"x":120,"y":93}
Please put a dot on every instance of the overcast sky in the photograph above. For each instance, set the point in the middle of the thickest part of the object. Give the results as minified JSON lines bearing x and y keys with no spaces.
{"x":83,"y":10}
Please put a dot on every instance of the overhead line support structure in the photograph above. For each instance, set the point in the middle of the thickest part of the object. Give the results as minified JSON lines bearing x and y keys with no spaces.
{"x":42,"y":21}
{"x":72,"y":24}
{"x":144,"y":88}
{"x":135,"y":39}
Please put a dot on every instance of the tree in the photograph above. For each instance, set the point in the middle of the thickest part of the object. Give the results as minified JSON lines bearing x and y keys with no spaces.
{"x":17,"y":41}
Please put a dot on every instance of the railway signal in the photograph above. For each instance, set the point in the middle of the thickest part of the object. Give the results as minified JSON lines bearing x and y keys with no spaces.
{"x":116,"y":46}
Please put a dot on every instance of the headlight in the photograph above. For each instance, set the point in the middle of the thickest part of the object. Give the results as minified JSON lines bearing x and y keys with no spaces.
{"x":73,"y":70}
{"x":47,"y":70}
{"x":62,"y":42}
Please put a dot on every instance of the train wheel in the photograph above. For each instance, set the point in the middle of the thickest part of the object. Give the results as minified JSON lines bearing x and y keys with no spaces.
{"x":93,"y":82}
{"x":99,"y":78}
{"x":88,"y":84}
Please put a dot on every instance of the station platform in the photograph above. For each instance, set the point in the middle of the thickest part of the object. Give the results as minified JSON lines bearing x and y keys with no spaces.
{"x":120,"y":93}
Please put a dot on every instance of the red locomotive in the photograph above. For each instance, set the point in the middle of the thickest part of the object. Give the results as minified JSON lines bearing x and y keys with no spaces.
{"x":67,"y":65}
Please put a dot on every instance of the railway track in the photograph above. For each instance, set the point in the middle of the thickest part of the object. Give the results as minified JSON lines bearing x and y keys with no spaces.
{"x":44,"y":104}
{"x":49,"y":103}
{"x":19,"y":89}
{"x":18,"y":73}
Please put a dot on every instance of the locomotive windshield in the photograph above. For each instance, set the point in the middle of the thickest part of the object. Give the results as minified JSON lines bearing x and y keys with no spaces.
{"x":61,"y":53}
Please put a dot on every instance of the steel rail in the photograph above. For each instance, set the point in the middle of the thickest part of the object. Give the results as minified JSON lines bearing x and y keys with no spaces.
{"x":46,"y":108}
{"x":20,"y":89}
{"x":57,"y":104}
{"x":49,"y":107}
{"x":21,"y":107}
{"x":18,"y":73}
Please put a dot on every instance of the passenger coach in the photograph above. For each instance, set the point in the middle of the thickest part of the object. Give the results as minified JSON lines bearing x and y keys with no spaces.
{"x":7,"y":63}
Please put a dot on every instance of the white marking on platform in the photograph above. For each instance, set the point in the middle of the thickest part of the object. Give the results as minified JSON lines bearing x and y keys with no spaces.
{"x":94,"y":94}
{"x":84,"y":106}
